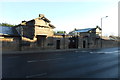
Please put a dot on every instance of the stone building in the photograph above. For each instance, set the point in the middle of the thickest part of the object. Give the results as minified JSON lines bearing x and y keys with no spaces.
{"x":9,"y":37}
{"x":37,"y":33}
{"x":85,"y":38}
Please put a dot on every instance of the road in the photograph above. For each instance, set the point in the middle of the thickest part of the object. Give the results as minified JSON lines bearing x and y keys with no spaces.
{"x":91,"y":63}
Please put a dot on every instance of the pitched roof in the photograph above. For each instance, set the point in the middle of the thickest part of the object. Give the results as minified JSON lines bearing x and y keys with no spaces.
{"x":87,"y":29}
{"x":51,"y":25}
{"x":9,"y":31}
{"x":84,"y":30}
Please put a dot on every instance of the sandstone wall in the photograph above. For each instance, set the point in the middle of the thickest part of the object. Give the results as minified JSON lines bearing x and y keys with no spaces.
{"x":13,"y":44}
{"x":10,"y":44}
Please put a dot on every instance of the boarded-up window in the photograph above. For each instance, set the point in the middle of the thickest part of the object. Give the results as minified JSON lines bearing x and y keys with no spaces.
{"x":41,"y":39}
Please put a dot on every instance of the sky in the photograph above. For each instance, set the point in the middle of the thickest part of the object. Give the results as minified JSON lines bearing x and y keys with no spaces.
{"x":65,"y":15}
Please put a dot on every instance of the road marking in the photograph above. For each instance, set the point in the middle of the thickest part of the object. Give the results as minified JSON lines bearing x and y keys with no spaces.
{"x":116,"y":51}
{"x":112,"y":52}
{"x":76,"y":51}
{"x":96,"y":52}
{"x":44,"y":60}
{"x":83,"y":51}
{"x":99,"y":52}
{"x":92,"y":52}
{"x":36,"y":75}
{"x":105,"y":52}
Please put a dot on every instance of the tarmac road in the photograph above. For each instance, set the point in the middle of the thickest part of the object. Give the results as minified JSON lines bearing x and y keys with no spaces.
{"x":91,"y":63}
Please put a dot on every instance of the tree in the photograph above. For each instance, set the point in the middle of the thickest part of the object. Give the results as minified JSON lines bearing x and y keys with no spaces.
{"x":6,"y":24}
{"x":62,"y":32}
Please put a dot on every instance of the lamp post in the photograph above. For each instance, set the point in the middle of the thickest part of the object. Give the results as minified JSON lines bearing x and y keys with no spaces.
{"x":101,"y":29}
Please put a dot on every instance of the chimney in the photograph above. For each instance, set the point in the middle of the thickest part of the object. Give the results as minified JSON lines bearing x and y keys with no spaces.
{"x":41,"y":15}
{"x":23,"y":21}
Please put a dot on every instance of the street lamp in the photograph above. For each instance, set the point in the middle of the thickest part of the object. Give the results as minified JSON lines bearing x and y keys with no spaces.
{"x":101,"y":29}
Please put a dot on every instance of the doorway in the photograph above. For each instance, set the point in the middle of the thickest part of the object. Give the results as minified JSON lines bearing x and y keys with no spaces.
{"x":58,"y":44}
{"x":84,"y":44}
{"x":73,"y":42}
{"x":41,"y":39}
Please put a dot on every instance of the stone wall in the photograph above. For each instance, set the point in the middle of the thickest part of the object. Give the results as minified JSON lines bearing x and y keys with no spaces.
{"x":10,"y":44}
{"x":40,"y":22}
{"x":55,"y":42}
{"x":44,"y":31}
{"x":89,"y":42}
{"x":49,"y":43}
{"x":109,"y":43}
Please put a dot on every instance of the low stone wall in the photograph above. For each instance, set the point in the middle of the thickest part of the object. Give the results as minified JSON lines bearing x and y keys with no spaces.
{"x":10,"y":44}
{"x":96,"y":43}
{"x":109,"y":43}
{"x":51,"y":43}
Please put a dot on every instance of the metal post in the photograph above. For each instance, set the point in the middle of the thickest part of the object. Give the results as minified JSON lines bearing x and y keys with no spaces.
{"x":102,"y":29}
{"x":101,"y":32}
{"x":77,"y":39}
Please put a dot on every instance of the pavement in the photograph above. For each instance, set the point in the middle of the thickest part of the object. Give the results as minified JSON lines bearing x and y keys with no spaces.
{"x":37,"y":51}
{"x":46,"y":50}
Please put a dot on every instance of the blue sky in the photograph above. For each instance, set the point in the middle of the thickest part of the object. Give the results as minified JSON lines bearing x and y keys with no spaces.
{"x":64,"y":15}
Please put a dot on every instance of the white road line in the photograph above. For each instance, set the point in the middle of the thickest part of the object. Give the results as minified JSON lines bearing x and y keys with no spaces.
{"x":116,"y":51}
{"x":105,"y":52}
{"x":44,"y":60}
{"x":36,"y":75}
{"x":92,"y":52}
{"x":112,"y":52}
{"x":76,"y":51}
{"x":97,"y":52}
{"x":83,"y":51}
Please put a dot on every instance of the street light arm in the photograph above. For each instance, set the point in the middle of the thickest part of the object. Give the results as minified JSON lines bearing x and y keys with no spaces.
{"x":104,"y":17}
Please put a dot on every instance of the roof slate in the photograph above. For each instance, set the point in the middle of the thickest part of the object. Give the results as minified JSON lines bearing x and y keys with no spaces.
{"x":84,"y":30}
{"x":11,"y":31}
